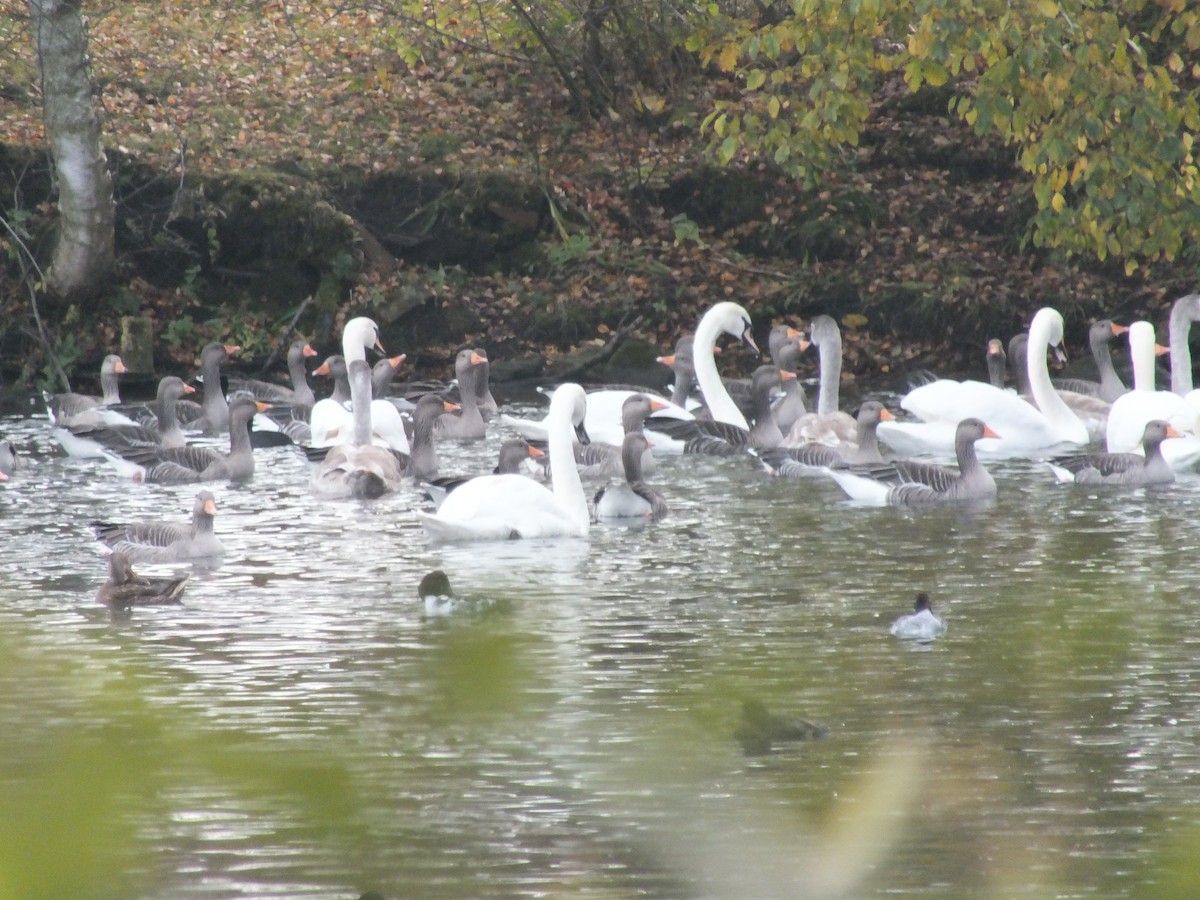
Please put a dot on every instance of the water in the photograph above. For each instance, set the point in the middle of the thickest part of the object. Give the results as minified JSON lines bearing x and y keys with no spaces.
{"x":299,"y":727}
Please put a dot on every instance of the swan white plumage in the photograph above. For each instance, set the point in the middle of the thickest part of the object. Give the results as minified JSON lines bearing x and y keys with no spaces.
{"x":502,"y":507}
{"x":604,"y":408}
{"x":1132,"y":411}
{"x":1025,"y":429}
{"x":332,"y":423}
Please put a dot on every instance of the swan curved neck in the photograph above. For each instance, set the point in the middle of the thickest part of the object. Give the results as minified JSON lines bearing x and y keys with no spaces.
{"x":360,"y":399}
{"x":1053,"y":407}
{"x":716,"y":397}
{"x":1180,"y":327}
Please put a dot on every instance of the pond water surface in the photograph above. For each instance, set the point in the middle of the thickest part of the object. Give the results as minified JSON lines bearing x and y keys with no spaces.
{"x":300,"y":727}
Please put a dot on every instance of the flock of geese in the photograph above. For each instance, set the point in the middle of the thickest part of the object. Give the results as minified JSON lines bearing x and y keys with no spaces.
{"x":363,"y":442}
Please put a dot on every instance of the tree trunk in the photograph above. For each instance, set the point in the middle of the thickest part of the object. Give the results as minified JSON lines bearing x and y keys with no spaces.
{"x":83,"y":253}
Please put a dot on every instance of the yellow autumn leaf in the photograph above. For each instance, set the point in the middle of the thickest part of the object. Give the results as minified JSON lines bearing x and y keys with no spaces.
{"x":854,"y":320}
{"x":773,"y":107}
{"x":1130,"y":266}
{"x":1047,"y":8}
{"x":1058,"y":203}
{"x":727,"y":61}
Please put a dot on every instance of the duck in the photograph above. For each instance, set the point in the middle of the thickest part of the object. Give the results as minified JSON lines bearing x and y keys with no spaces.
{"x":807,"y":459}
{"x":468,"y":424}
{"x":124,"y":588}
{"x":512,"y":456}
{"x":906,"y":482}
{"x":922,"y":624}
{"x":1147,"y":467}
{"x":760,"y":729}
{"x":440,"y":600}
{"x":1133,"y":410}
{"x":299,"y":395}
{"x":1027,"y":429}
{"x":358,"y":468}
{"x":1108,"y":386}
{"x":633,"y":498}
{"x":74,"y":410}
{"x":160,"y":428}
{"x":192,"y":463}
{"x":828,"y":425}
{"x":504,"y":507}
{"x":159,"y":542}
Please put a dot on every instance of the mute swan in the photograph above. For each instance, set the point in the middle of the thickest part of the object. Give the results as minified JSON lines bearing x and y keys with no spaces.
{"x":906,"y":482}
{"x":922,"y":624}
{"x":358,"y":468}
{"x":1091,"y":410}
{"x":124,"y":588}
{"x":157,"y":542}
{"x":1026,"y":428}
{"x":502,"y":507}
{"x":633,"y":498}
{"x":73,"y":410}
{"x":191,"y":463}
{"x":1121,"y":468}
{"x":828,"y":425}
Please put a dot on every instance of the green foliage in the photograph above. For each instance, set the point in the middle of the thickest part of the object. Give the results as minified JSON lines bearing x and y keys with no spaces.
{"x":1100,"y":103}
{"x":180,"y":332}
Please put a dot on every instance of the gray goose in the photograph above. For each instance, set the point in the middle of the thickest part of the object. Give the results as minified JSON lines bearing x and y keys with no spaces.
{"x":124,"y":588}
{"x":1109,"y":387}
{"x":191,"y":463}
{"x":74,"y":410}
{"x":159,"y":427}
{"x":298,"y":395}
{"x":156,"y":542}
{"x":468,"y":425}
{"x":602,"y":460}
{"x":211,"y":414}
{"x":1122,"y":468}
{"x":633,"y":498}
{"x":906,"y":482}
{"x":794,"y":462}
{"x":512,"y":456}
{"x":721,"y":438}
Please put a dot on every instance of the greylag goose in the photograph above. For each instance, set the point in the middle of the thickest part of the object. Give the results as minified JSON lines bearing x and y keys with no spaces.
{"x":721,"y":438}
{"x":633,"y":498}
{"x":298,"y":395}
{"x":911,"y":483}
{"x":1109,"y":386}
{"x":211,"y":415}
{"x":1026,"y":428}
{"x":828,"y":425}
{"x":74,"y":410}
{"x":780,"y":338}
{"x":191,"y":463}
{"x":124,"y":588}
{"x":502,"y":507}
{"x":997,"y":362}
{"x":158,"y":542}
{"x":158,"y":429}
{"x":358,"y":468}
{"x":922,"y":624}
{"x":468,"y":425}
{"x":1148,"y":467}
{"x":513,"y":454}
{"x":792,"y":405}
{"x":598,"y":459}
{"x":794,"y":462}
{"x":683,"y":368}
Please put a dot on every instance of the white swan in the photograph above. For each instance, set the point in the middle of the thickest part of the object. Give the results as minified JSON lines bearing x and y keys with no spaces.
{"x":332,"y":423}
{"x":1132,"y":411}
{"x":604,"y":408}
{"x":1025,"y":429}
{"x":502,"y":507}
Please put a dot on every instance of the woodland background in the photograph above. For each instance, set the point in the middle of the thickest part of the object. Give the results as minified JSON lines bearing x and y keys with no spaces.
{"x":549,"y":179}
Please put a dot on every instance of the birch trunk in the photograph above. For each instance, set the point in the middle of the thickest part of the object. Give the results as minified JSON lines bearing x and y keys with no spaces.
{"x":83,"y":253}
